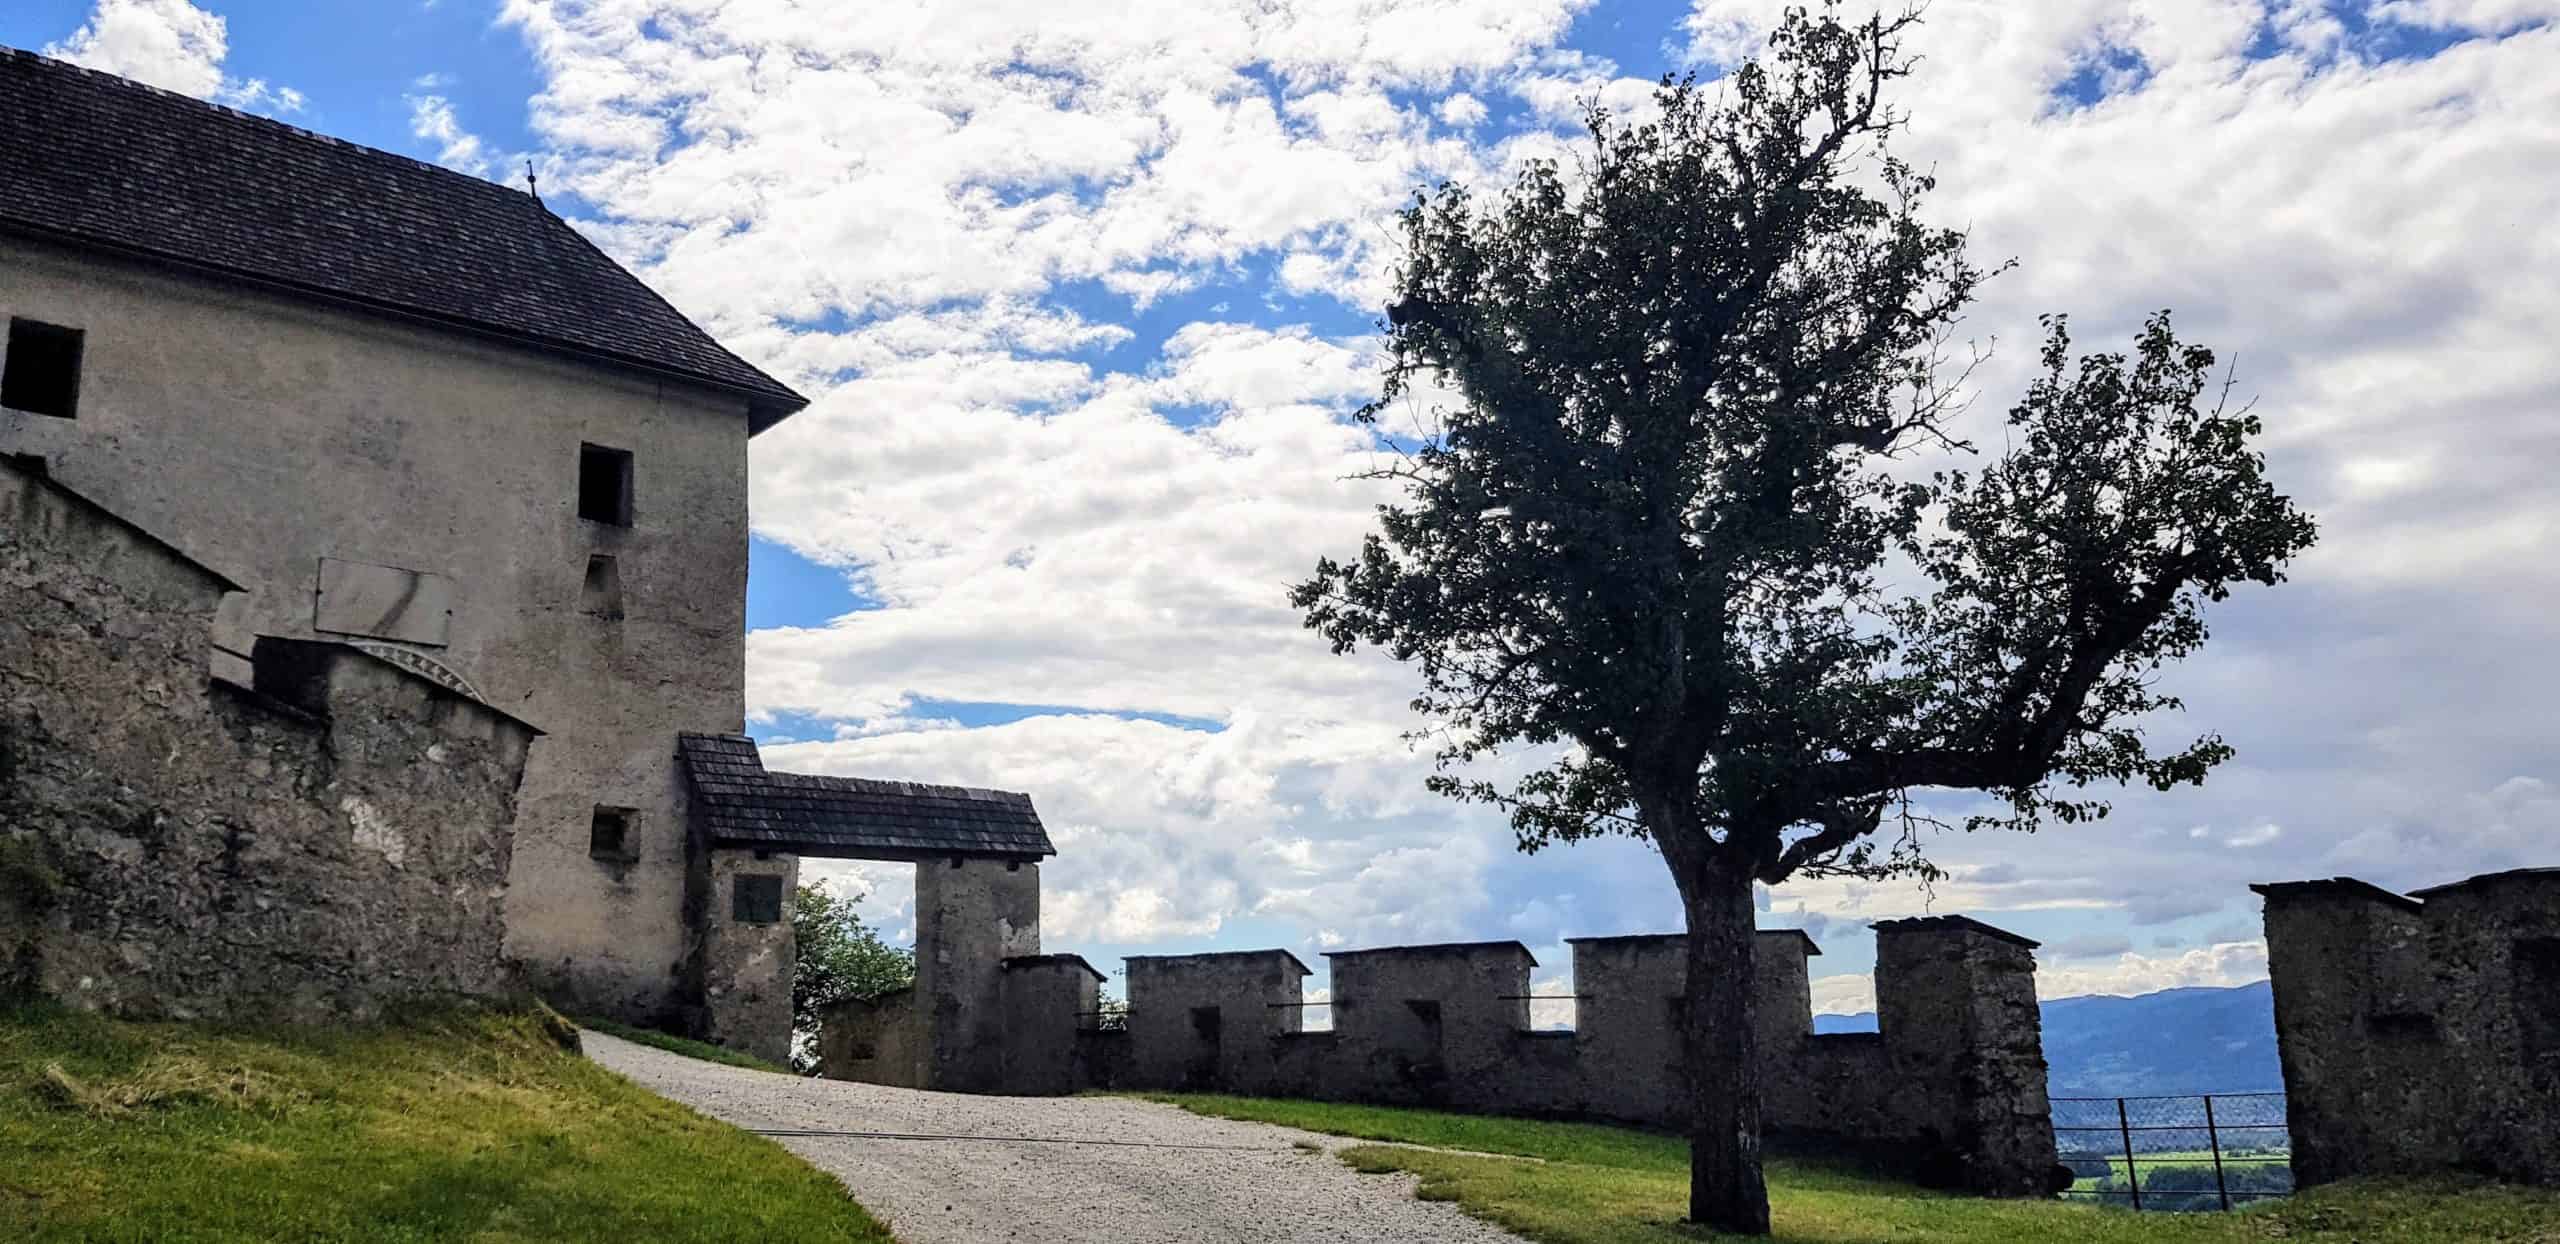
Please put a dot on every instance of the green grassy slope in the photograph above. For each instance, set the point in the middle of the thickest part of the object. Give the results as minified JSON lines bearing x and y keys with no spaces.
{"x":1602,"y":1185}
{"x":673,"y":1044}
{"x":458,"y":1126}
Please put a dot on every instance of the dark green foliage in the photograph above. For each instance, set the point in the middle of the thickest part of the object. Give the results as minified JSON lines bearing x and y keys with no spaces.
{"x":1678,"y":519}
{"x":839,"y":958}
{"x":1658,"y":526}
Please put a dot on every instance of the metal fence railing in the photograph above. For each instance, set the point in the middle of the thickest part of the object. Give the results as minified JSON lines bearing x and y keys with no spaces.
{"x":2203,"y":1151}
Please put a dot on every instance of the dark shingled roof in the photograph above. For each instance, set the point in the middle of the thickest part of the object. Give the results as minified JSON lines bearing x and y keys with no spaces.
{"x":93,"y":160}
{"x":850,"y":818}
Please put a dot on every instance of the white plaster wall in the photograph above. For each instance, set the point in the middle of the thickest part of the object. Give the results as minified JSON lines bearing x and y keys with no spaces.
{"x":261,"y":435}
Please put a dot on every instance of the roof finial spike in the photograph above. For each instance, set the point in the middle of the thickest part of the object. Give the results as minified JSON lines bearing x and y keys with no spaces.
{"x":532,"y":184}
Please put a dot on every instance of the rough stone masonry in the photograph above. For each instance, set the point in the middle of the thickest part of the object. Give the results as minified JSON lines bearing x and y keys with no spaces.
{"x":2419,"y":1033}
{"x":325,"y":843}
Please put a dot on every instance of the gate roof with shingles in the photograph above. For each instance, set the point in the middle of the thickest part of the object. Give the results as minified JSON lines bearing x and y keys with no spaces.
{"x":743,"y":804}
{"x":91,"y":159}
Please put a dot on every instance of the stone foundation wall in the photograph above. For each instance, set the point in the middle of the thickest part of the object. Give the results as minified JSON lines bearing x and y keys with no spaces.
{"x":330,"y":842}
{"x":2419,"y":1034}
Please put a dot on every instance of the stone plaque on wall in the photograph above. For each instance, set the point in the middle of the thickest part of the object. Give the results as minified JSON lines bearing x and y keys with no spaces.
{"x":384,"y":602}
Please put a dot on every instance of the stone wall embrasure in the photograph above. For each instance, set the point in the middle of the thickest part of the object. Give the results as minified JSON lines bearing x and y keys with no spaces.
{"x":327,"y":843}
{"x":2419,"y":1034}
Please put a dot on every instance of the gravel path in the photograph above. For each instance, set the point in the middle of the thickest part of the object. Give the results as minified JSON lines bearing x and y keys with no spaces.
{"x":1172,"y":1177}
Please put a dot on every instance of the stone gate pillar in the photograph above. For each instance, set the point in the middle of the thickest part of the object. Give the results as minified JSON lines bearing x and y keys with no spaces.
{"x":1956,"y":1003}
{"x":746,"y":950}
{"x":971,"y":916}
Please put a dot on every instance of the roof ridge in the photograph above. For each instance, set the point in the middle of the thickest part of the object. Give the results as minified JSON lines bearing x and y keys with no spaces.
{"x":123,"y":82}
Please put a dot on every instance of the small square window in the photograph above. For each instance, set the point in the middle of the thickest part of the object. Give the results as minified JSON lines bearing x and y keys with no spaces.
{"x":756,"y":900}
{"x":604,"y":485}
{"x":41,"y":375}
{"x":609,"y":835}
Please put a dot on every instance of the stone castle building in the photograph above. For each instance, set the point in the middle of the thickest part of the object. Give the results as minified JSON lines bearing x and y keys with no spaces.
{"x":409,"y":412}
{"x":372,"y":568}
{"x":2419,"y":1033}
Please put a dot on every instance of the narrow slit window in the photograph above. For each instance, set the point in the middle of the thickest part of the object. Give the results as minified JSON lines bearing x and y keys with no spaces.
{"x":609,"y":835}
{"x":756,"y":900}
{"x":41,"y":374}
{"x":602,"y":595}
{"x":604,"y":485}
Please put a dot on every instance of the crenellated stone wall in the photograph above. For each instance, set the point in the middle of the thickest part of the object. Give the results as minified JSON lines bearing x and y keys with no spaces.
{"x":1952,"y":1087}
{"x":2419,"y":1033}
{"x":326,"y":842}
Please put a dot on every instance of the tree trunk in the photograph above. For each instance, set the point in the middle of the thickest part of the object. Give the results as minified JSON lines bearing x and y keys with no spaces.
{"x":1725,"y":1187}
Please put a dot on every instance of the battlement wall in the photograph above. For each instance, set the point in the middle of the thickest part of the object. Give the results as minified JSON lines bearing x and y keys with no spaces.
{"x":1955,"y":1077}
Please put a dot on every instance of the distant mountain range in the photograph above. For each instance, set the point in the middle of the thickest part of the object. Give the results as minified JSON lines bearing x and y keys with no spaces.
{"x":2173,"y":1041}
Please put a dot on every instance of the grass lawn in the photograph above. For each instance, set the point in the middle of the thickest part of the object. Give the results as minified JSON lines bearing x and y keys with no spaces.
{"x":463,"y":1125}
{"x":703,"y":1050}
{"x":1604,"y":1185}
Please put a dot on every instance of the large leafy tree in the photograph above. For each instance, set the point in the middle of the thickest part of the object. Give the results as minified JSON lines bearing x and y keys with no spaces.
{"x":840,"y":957}
{"x":1678,"y":521}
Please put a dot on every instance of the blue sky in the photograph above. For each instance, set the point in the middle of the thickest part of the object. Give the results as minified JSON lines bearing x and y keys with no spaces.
{"x":1085,"y":294}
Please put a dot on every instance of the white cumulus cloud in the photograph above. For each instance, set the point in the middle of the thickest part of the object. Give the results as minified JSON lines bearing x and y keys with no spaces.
{"x":978,"y":235}
{"x":170,"y":44}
